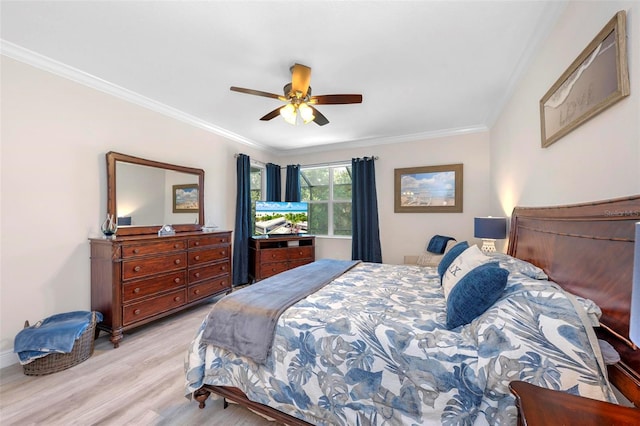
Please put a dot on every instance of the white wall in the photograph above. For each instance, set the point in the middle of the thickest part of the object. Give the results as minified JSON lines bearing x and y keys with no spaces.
{"x":55,"y":134}
{"x":598,"y":160}
{"x":408,"y":233}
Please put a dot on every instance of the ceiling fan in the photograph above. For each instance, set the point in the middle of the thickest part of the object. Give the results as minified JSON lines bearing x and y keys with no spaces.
{"x":299,"y":101}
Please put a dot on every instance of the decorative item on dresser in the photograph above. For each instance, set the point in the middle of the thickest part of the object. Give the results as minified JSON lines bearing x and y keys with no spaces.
{"x":270,"y":255}
{"x":138,"y":279}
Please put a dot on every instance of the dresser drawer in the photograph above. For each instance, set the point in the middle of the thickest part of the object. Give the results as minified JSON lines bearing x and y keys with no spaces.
{"x":198,"y":257}
{"x":153,"y":248}
{"x":146,"y":287}
{"x":155,"y":305}
{"x":208,"y":271}
{"x":273,"y":255}
{"x":300,"y":262}
{"x":300,"y":252}
{"x":269,"y":269}
{"x":209,"y":240}
{"x":209,"y":288}
{"x":137,"y":268}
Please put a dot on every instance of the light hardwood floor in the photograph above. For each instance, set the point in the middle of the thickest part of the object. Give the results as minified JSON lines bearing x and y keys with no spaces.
{"x":140,"y":383}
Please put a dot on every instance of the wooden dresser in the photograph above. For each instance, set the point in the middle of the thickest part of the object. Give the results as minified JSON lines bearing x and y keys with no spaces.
{"x":274,"y":254}
{"x":138,"y":279}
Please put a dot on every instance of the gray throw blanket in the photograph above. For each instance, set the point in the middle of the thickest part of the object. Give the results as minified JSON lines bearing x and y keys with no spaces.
{"x":244,"y":322}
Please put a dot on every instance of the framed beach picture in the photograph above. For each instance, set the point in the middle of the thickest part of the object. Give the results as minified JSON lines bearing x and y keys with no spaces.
{"x":597,"y":79}
{"x":185,"y":198}
{"x":428,"y":189}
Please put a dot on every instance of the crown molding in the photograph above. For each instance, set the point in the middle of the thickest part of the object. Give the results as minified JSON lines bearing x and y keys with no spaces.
{"x":45,"y":63}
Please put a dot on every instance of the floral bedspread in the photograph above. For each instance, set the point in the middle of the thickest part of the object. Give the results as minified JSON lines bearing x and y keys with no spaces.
{"x":371,"y":348}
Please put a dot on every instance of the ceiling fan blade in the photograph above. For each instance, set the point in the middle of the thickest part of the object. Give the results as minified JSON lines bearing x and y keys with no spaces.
{"x":335,"y":99}
{"x":320,"y":119}
{"x":300,"y":79}
{"x":273,"y":114}
{"x":258,"y":93}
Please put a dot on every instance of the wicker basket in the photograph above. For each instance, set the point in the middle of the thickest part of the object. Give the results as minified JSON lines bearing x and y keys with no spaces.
{"x":52,"y":363}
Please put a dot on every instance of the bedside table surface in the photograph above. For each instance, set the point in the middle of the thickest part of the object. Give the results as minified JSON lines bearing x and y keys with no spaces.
{"x":541,"y":406}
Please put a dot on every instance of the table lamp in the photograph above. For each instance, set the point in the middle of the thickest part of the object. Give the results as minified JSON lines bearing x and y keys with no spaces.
{"x":490,"y":229}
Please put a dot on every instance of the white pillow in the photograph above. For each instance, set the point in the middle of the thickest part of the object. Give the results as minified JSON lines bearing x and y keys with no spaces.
{"x":432,"y":259}
{"x":461,"y":265}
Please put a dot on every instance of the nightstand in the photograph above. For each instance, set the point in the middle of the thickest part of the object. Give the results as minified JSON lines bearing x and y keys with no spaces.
{"x":541,"y":406}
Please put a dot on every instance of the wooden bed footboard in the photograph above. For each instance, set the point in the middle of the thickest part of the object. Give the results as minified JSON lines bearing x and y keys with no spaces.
{"x":237,"y":396}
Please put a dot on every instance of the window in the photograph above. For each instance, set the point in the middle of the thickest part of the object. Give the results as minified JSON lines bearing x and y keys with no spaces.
{"x":257,"y":176}
{"x":327,"y":189}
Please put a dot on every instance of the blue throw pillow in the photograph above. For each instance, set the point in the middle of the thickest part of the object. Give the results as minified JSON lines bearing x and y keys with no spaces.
{"x":450,"y":257}
{"x":476,"y":292}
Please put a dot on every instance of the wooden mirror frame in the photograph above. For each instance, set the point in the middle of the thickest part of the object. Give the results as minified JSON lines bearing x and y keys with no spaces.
{"x":114,"y":157}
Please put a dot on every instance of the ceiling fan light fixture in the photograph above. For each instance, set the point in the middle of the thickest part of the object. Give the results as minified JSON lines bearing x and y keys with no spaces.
{"x":306,"y":113}
{"x":288,"y":112}
{"x":298,"y":99}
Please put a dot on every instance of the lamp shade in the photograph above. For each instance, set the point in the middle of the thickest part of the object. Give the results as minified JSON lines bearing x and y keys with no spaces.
{"x":490,"y":227}
{"x":634,"y":326}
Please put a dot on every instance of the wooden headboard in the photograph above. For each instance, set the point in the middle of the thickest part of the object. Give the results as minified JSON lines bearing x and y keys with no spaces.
{"x":588,"y":250}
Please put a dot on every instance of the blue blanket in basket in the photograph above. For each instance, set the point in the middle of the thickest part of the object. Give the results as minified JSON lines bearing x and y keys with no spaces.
{"x":55,"y":334}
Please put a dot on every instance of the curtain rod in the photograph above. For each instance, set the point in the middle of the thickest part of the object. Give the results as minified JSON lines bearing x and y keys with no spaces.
{"x":328,"y":163}
{"x":236,"y":155}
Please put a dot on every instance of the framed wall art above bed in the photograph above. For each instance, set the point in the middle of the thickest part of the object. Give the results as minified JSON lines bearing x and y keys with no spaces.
{"x":597,"y":79}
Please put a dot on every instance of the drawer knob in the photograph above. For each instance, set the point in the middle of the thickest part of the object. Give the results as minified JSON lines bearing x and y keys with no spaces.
{"x":273,"y":269}
{"x":176,"y":245}
{"x":197,"y":243}
{"x":137,"y":268}
{"x":273,"y":255}
{"x":223,"y":268}
{"x":196,"y":258}
{"x":136,"y":312}
{"x":177,"y":261}
{"x":300,"y":253}
{"x":136,"y":290}
{"x":197,"y":275}
{"x":223,"y":252}
{"x":136,"y":250}
{"x":176,"y":280}
{"x":196,"y":291}
{"x":177,"y":298}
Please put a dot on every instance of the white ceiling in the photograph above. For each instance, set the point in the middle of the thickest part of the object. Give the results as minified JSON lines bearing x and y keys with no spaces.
{"x":425,"y":69}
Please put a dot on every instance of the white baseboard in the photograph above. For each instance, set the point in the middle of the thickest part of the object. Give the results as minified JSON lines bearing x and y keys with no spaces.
{"x":8,"y":358}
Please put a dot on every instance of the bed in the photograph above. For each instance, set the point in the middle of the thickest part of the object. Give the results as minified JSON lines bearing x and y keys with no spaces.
{"x":388,"y":356}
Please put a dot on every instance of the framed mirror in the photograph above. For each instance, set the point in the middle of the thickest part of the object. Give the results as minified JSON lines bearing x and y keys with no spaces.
{"x":144,"y":195}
